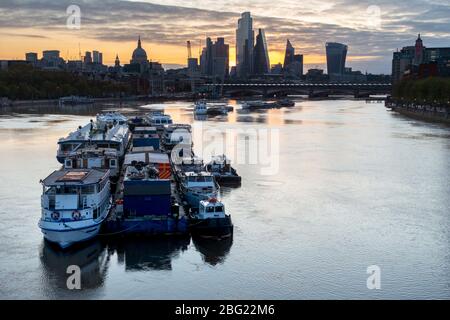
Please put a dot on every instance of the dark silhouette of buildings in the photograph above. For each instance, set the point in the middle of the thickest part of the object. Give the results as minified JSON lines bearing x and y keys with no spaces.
{"x":260,"y":55}
{"x":336,"y":56}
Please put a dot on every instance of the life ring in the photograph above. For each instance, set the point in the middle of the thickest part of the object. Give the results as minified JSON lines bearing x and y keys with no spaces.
{"x":55,"y":215}
{"x":76,"y":215}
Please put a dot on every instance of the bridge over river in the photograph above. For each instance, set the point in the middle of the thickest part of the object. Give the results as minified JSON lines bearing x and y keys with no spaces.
{"x":358,"y":90}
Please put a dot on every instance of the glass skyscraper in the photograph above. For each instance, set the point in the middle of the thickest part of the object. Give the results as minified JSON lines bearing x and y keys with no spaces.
{"x":336,"y":55}
{"x":245,"y":38}
{"x":261,"y":54}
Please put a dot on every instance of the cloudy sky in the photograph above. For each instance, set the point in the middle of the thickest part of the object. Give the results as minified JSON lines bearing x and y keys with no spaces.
{"x":373,"y":29}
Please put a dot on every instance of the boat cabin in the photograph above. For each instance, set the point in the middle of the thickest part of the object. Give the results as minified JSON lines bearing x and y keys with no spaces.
{"x":210,"y":209}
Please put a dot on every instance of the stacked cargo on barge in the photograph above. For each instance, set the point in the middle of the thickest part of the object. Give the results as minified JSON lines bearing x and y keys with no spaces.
{"x":146,"y":199}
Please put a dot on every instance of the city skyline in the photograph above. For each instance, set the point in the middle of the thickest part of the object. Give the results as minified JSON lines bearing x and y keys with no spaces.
{"x":165,"y":28}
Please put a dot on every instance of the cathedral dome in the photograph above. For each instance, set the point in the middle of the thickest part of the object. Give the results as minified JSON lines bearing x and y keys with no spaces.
{"x":139,"y":54}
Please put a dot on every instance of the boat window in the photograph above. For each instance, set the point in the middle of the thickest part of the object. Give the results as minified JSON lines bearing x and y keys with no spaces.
{"x":208,"y":179}
{"x":112,"y":163}
{"x":88,"y":189}
{"x":95,"y":214}
{"x":218,"y":209}
{"x":209,"y":209}
{"x":66,"y":190}
{"x":66,"y":147}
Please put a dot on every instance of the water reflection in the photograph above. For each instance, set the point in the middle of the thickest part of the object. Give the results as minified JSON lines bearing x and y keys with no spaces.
{"x":91,"y":257}
{"x":213,"y":251}
{"x":145,"y":254}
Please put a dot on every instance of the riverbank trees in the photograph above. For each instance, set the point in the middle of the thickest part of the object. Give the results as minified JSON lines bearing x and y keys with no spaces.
{"x":426,"y":91}
{"x":23,"y":82}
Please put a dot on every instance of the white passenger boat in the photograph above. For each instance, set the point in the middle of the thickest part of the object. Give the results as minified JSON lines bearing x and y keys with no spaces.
{"x":175,"y":134}
{"x":159,"y":119}
{"x":200,"y":108}
{"x":92,"y":157}
{"x":74,"y":204}
{"x":111,"y":118}
{"x":107,"y":132}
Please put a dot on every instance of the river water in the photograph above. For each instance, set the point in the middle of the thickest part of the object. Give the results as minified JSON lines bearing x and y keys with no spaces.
{"x":347,"y":185}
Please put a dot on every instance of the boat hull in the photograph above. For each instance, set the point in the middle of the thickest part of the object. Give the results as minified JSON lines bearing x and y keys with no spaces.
{"x":213,"y":227}
{"x":228,"y":180}
{"x":68,"y":237}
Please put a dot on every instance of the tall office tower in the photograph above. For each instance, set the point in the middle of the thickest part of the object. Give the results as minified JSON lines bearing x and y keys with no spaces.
{"x":261,"y":62}
{"x":336,"y":55}
{"x":221,"y":59}
{"x":289,"y":55}
{"x":95,"y":56}
{"x":245,"y":38}
{"x":206,"y":58}
{"x":87,"y":57}
{"x":100,"y":58}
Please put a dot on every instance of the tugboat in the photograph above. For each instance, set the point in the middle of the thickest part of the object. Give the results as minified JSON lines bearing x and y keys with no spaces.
{"x":222,"y":171}
{"x":75,"y":202}
{"x":198,"y":186}
{"x":211,"y":220}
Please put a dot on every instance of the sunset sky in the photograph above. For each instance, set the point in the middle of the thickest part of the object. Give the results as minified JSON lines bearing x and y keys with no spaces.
{"x":373,"y":29}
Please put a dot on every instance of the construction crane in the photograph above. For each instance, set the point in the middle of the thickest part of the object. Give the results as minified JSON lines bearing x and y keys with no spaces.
{"x":189,"y":49}
{"x":190,"y":73}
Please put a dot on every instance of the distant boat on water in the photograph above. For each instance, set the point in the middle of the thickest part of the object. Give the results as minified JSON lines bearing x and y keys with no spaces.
{"x":75,"y":100}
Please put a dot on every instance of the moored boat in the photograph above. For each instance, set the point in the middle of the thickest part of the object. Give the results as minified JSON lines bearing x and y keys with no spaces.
{"x":109,"y":131}
{"x":158,"y":119}
{"x":200,"y":108}
{"x":75,"y":100}
{"x":92,"y":157}
{"x":220,"y":167}
{"x":211,"y":220}
{"x":74,"y":203}
{"x":256,"y":105}
{"x":285,"y":103}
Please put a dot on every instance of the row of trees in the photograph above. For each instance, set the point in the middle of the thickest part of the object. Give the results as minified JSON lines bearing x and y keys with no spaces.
{"x":23,"y":82}
{"x":429,"y":90}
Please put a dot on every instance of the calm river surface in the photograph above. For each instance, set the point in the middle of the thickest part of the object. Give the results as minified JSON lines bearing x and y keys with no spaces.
{"x":352,"y":185}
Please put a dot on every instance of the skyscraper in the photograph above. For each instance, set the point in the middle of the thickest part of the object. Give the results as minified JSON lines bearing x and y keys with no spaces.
{"x":245,"y":38}
{"x":336,"y":55}
{"x":261,"y":62}
{"x":95,"y":56}
{"x":215,"y":58}
{"x":289,"y":55}
{"x":221,"y":59}
{"x":87,"y":57}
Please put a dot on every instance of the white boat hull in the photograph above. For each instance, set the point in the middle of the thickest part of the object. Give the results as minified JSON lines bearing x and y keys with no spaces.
{"x":68,"y":237}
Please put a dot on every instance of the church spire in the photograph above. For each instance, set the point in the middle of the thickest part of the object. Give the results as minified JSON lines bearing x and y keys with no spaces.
{"x":139,"y":42}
